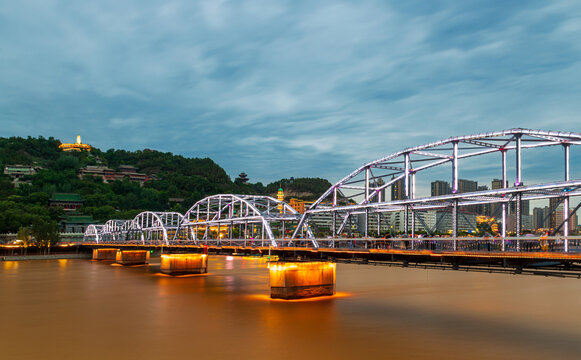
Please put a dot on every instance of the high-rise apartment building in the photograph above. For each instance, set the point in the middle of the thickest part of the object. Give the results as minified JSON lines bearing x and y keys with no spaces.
{"x":541,"y":217}
{"x":398,"y":190}
{"x":465,"y":186}
{"x":440,"y":187}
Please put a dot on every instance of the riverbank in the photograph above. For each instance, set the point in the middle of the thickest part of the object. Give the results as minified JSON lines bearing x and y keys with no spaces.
{"x":45,"y":257}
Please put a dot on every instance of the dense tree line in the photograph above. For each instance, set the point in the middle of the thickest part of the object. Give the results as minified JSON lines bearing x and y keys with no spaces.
{"x":175,"y":177}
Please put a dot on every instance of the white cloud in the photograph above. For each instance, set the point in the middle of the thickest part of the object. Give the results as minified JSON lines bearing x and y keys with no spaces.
{"x":315,"y":83}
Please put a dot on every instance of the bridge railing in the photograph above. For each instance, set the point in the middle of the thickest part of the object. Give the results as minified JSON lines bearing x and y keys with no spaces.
{"x":485,"y":244}
{"x":521,"y":244}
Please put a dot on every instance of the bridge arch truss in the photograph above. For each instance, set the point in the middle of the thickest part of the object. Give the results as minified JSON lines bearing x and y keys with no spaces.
{"x":240,"y":219}
{"x":146,"y":227}
{"x":361,"y":194}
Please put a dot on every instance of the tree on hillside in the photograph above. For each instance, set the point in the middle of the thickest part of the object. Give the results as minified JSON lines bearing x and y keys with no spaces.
{"x":45,"y":234}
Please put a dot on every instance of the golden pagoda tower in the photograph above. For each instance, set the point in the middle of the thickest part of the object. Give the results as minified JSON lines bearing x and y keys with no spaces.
{"x":280,"y":197}
{"x":78,"y":146}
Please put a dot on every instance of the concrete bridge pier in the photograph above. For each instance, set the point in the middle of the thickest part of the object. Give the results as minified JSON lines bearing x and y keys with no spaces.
{"x":299,"y":280}
{"x":104,"y":254}
{"x":132,"y":257}
{"x":179,"y":264}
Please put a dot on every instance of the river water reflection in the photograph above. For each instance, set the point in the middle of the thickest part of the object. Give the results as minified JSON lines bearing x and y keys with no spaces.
{"x":80,"y":309}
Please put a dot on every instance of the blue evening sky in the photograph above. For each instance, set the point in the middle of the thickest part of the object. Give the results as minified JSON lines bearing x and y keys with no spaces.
{"x":287,"y":88}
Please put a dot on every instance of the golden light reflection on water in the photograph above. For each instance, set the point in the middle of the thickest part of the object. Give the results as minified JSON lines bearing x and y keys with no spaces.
{"x":182,"y":276}
{"x":266,"y":297}
{"x":10,"y":265}
{"x":377,"y":313}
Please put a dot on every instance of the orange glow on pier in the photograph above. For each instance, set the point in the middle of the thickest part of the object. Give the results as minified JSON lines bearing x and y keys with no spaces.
{"x":184,"y":264}
{"x":132,"y":257}
{"x":293,"y":280}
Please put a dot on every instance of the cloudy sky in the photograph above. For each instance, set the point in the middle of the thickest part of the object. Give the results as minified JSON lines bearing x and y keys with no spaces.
{"x":286,"y":88}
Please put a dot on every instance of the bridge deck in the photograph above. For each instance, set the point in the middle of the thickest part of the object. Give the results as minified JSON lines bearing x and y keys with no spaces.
{"x":370,"y":253}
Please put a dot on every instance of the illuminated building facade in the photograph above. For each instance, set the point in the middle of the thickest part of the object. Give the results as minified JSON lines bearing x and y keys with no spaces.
{"x":298,"y":205}
{"x":78,"y":146}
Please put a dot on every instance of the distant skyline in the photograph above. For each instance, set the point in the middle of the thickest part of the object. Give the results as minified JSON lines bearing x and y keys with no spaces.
{"x":289,"y":88}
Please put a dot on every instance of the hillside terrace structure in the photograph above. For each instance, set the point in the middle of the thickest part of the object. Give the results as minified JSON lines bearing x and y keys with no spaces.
{"x":68,"y":201}
{"x":76,"y":223}
{"x":17,"y":172}
{"x":109,"y":175}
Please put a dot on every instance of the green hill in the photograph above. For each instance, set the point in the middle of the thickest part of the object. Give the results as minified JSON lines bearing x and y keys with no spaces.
{"x":175,"y":182}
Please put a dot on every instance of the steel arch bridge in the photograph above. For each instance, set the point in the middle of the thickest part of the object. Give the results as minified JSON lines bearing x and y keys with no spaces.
{"x":146,"y":227}
{"x":94,"y":233}
{"x":240,"y":219}
{"x":361,"y":193}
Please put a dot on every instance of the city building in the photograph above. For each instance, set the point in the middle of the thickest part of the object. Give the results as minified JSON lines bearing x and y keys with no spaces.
{"x":465,"y":186}
{"x":497,"y":184}
{"x":396,"y":220}
{"x":68,"y":201}
{"x":556,"y":218}
{"x":398,"y":190}
{"x":379,"y":183}
{"x":483,"y":209}
{"x":78,"y":146}
{"x":526,"y":223}
{"x":298,"y":205}
{"x":541,"y":218}
{"x":466,"y":221}
{"x":440,"y":187}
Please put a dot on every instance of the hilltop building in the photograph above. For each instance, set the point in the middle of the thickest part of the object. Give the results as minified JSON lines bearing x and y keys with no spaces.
{"x":78,"y":146}
{"x":242,"y":178}
{"x":68,"y":201}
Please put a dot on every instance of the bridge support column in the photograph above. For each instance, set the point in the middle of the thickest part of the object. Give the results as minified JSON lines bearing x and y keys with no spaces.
{"x":299,"y":280}
{"x":366,"y":223}
{"x":179,"y":264}
{"x":518,"y":219}
{"x":132,"y":257}
{"x":518,"y":161}
{"x":413,"y":224}
{"x":566,"y":201}
{"x":504,"y":182}
{"x":104,"y":254}
{"x":406,"y":218}
{"x":455,"y":225}
{"x":334,"y":232}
